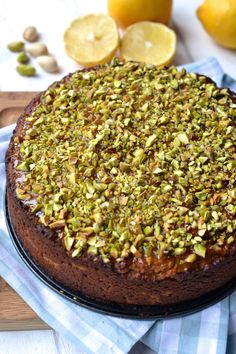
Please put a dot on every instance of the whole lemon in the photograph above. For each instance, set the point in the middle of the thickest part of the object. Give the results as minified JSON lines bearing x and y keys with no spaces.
{"x":219,"y":20}
{"x":127,"y":12}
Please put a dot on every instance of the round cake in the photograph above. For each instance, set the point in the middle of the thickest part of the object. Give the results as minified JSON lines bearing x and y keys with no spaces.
{"x":121,"y":183}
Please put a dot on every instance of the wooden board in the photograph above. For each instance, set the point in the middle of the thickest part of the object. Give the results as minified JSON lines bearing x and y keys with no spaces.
{"x":15,"y":314}
{"x":12,"y":105}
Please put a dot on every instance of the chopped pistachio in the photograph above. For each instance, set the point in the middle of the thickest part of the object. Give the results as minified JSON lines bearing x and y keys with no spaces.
{"x":166,"y":188}
{"x":174,"y":84}
{"x":151,"y":140}
{"x":68,"y":242}
{"x":126,"y":122}
{"x":75,"y":253}
{"x":191,"y":258}
{"x":124,"y":166}
{"x":36,"y":208}
{"x":148,"y":230}
{"x":87,"y":230}
{"x":57,"y":224}
{"x":48,"y":209}
{"x":201,"y":195}
{"x":134,"y":250}
{"x":22,"y":195}
{"x":124,"y":200}
{"x":183,"y":138}
{"x":202,"y":159}
{"x":230,"y":239}
{"x":179,"y":251}
{"x":200,"y":250}
{"x":116,"y":174}
{"x":157,"y":171}
{"x":23,"y":166}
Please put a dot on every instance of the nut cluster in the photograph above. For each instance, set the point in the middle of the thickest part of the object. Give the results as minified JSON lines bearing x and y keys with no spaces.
{"x":34,"y":49}
{"x":128,"y":159}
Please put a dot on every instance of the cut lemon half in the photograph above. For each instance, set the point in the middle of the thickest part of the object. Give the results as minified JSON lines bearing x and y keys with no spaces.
{"x":149,"y":42}
{"x":92,"y":39}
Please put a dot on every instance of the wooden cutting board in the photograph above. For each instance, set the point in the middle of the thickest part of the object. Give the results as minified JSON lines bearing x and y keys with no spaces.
{"x":11,"y":106}
{"x":15,"y":314}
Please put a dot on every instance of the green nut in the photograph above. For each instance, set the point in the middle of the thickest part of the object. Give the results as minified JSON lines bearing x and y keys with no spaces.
{"x":26,"y":70}
{"x":22,"y":58}
{"x":200,"y":250}
{"x":191,"y":258}
{"x":16,"y":46}
{"x":23,"y":166}
{"x":138,"y":180}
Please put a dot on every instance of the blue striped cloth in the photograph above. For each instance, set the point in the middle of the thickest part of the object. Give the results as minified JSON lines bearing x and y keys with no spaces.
{"x":212,"y":330}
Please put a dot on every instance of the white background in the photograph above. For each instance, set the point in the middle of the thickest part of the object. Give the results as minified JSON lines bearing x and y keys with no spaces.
{"x":51,"y":17}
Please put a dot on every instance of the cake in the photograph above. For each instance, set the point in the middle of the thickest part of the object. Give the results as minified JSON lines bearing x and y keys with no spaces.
{"x":121,"y":183}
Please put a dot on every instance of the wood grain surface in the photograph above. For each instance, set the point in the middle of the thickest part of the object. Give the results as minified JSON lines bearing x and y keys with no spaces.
{"x":12,"y":105}
{"x":15,"y":314}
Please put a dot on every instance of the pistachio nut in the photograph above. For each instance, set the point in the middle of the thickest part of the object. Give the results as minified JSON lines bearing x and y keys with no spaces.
{"x":122,"y":176}
{"x":16,"y":46}
{"x":26,"y":70}
{"x":22,"y":58}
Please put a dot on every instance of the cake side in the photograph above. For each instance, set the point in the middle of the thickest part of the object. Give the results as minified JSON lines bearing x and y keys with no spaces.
{"x":173,"y":272}
{"x":105,"y":282}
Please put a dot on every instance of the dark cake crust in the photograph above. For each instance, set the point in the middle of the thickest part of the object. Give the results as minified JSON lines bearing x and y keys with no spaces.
{"x":132,"y":281}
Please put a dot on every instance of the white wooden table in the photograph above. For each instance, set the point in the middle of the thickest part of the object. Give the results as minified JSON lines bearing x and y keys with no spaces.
{"x":51,"y":18}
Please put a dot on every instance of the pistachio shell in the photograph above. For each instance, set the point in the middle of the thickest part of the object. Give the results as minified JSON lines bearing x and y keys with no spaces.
{"x":48,"y":63}
{"x":36,"y":49}
{"x":30,"y":34}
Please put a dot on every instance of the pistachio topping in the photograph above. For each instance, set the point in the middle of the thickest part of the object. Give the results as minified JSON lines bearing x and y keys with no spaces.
{"x":132,"y":160}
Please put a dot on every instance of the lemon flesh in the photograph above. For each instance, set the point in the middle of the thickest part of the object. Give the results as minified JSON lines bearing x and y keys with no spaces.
{"x":149,"y":42}
{"x":127,"y":12}
{"x":219,"y":20}
{"x":92,"y":39}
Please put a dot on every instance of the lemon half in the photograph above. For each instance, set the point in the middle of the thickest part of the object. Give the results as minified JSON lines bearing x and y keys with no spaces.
{"x":92,"y":39}
{"x":149,"y":42}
